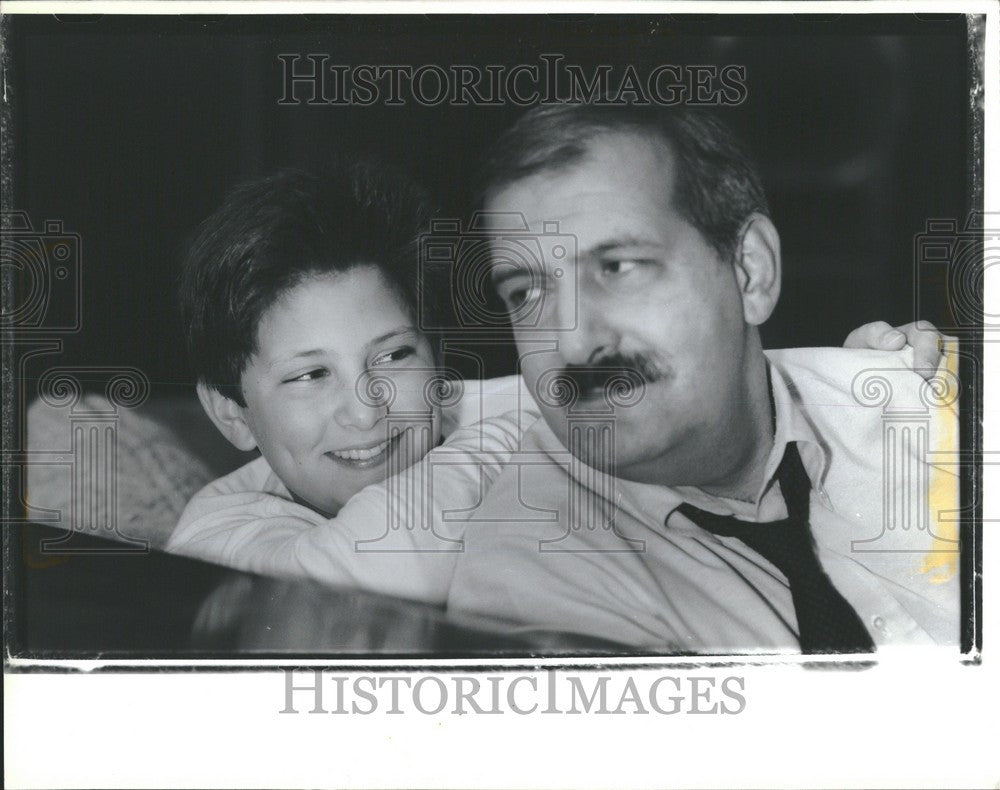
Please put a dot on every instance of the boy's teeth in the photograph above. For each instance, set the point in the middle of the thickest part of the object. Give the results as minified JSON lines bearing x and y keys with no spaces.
{"x":361,"y":455}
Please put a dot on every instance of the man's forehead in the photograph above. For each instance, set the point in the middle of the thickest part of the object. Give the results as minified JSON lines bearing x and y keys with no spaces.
{"x":620,"y":195}
{"x":623,"y":162}
{"x":624,"y":145}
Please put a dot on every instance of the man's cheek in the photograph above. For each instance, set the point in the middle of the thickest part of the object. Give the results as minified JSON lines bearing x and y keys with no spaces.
{"x":530,"y":372}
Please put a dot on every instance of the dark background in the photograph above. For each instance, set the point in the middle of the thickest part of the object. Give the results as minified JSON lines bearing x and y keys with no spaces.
{"x":130,"y":130}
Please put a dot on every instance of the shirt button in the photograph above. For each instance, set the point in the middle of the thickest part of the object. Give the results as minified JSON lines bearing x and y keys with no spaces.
{"x":879,"y":623}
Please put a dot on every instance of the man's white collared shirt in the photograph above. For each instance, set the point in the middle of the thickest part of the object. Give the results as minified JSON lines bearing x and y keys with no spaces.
{"x":558,"y":545}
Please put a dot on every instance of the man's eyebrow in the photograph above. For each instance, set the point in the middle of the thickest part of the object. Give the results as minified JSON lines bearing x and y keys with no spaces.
{"x":500,"y":274}
{"x":618,"y":242}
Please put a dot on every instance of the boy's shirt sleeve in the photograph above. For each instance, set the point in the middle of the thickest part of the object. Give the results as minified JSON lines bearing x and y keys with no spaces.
{"x":478,"y":400}
{"x":401,"y":537}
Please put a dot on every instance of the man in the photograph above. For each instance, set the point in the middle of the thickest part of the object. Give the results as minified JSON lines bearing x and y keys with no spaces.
{"x":712,"y":498}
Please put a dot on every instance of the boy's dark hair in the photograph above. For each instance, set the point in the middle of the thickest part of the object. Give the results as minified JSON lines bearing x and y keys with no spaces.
{"x":271,"y":233}
{"x":717,"y":186}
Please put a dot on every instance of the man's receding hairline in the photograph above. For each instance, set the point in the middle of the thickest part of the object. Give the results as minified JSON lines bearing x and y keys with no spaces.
{"x":658,"y":140}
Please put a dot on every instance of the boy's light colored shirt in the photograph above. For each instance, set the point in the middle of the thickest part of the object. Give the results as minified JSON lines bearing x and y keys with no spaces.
{"x":248,"y":519}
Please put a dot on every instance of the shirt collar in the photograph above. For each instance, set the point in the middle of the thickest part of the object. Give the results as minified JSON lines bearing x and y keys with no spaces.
{"x":792,"y":424}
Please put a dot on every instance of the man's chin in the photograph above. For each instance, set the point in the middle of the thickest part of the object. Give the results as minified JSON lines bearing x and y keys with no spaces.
{"x":613,"y":447}
{"x":599,"y":446}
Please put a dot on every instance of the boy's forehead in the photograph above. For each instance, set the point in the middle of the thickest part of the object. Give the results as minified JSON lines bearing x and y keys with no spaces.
{"x":333,"y":312}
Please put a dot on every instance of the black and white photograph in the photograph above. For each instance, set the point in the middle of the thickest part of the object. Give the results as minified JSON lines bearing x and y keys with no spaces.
{"x":554,"y":342}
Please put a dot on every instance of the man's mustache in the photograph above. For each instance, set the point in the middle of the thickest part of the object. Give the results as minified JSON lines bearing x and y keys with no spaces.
{"x":615,"y":377}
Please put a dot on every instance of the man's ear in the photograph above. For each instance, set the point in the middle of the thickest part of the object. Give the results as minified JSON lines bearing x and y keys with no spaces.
{"x":758,"y":269}
{"x":229,"y":417}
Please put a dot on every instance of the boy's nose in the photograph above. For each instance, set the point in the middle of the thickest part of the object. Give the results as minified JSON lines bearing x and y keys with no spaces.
{"x":357,"y":410}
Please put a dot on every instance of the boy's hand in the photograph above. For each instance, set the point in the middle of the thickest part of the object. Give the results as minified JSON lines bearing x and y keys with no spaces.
{"x":927,"y":342}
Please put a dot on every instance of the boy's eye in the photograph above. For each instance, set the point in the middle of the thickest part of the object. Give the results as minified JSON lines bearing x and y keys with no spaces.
{"x":396,"y":355}
{"x":309,"y":375}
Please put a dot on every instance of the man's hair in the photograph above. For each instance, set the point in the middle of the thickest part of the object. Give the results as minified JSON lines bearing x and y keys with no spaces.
{"x":272,"y":233}
{"x":717,"y":187}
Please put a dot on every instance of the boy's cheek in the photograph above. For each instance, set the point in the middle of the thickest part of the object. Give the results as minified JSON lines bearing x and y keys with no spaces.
{"x":421,"y":436}
{"x":282,"y":426}
{"x":413,"y":392}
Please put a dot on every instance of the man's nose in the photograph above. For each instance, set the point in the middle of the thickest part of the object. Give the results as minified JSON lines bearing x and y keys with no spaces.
{"x":585,"y":333}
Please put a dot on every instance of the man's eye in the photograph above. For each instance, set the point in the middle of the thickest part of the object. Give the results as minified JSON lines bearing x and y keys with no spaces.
{"x":613,"y":267}
{"x":309,"y":375}
{"x":397,"y":355}
{"x":518,"y":296}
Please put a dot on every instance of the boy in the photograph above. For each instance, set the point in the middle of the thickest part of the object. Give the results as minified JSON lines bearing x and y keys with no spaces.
{"x":299,"y":299}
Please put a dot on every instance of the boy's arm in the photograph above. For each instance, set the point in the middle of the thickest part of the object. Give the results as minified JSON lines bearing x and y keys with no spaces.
{"x":392,"y":538}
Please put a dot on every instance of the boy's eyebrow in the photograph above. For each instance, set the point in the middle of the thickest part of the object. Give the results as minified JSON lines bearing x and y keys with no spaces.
{"x":312,"y":352}
{"x":399,"y":330}
{"x":315,"y":352}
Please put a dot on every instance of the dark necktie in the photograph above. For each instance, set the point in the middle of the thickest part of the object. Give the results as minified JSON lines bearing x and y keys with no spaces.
{"x":827,"y":622}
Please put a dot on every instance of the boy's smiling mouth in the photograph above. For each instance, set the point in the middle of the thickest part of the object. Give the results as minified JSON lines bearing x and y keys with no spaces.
{"x":364,"y":457}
